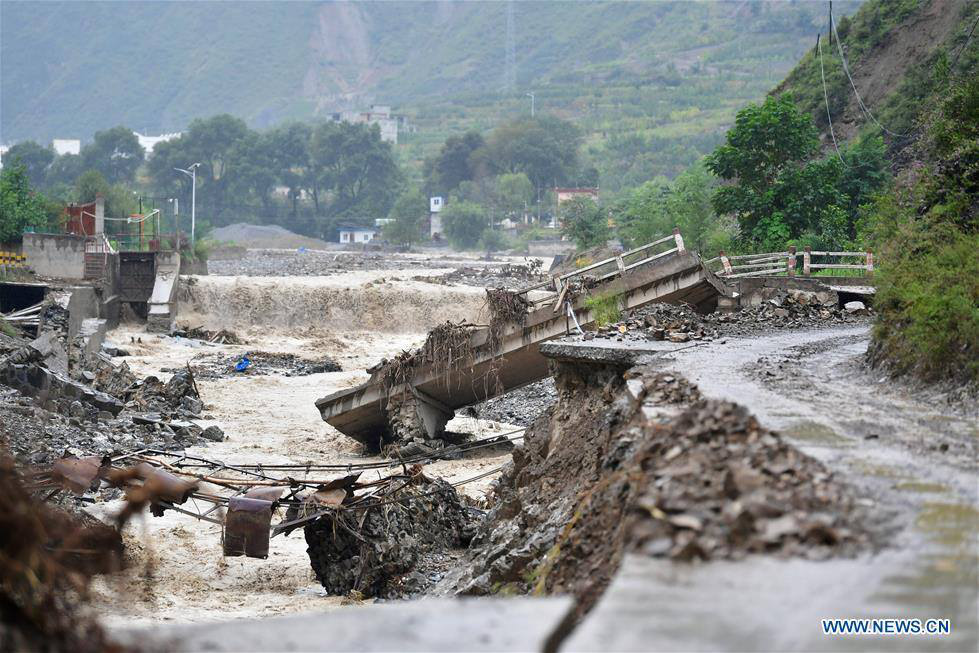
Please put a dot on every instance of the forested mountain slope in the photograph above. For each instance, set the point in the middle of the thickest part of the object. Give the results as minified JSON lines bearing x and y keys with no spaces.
{"x":915,"y":65}
{"x":652,"y":83}
{"x":892,"y":49}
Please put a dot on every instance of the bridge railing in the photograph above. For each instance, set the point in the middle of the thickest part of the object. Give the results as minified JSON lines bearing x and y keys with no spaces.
{"x":789,"y":263}
{"x":614,"y":266}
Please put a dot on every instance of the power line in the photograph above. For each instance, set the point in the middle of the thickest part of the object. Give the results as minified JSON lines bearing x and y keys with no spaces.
{"x":964,"y":45}
{"x":846,"y":69}
{"x":822,"y":73}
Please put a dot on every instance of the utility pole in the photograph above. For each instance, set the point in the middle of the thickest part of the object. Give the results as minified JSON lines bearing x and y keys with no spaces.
{"x":532,"y":102}
{"x":192,"y":173}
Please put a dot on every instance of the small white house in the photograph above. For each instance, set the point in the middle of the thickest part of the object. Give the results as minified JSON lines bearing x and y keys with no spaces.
{"x":353,"y":234}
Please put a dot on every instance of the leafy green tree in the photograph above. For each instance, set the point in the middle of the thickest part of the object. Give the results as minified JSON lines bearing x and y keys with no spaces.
{"x":35,"y":158}
{"x":544,"y":148}
{"x":212,"y":142}
{"x":454,"y":163}
{"x":355,"y":167}
{"x":254,"y":171}
{"x":866,"y":171}
{"x":584,"y":222}
{"x":515,"y":192}
{"x":20,"y":206}
{"x":777,"y":192}
{"x":464,"y":223}
{"x":289,"y":146}
{"x":116,"y":153}
{"x":643,"y":216}
{"x":689,"y":204}
{"x":64,"y":170}
{"x":409,"y":213}
{"x":492,"y":240}
{"x":120,"y":202}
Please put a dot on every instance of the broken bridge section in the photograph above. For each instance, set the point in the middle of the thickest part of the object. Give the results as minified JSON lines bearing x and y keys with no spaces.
{"x":504,"y":357}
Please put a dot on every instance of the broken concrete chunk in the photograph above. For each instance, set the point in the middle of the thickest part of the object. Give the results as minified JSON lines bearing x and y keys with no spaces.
{"x":855,"y":308}
{"x":213,"y":433}
{"x":148,"y":418}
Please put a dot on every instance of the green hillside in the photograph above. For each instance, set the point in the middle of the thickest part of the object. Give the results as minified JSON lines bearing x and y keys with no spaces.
{"x":652,"y":83}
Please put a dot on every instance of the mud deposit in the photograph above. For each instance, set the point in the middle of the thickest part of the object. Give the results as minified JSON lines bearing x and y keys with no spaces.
{"x":639,"y":461}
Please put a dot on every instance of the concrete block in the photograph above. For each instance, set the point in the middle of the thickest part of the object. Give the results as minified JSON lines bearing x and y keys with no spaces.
{"x":516,"y":624}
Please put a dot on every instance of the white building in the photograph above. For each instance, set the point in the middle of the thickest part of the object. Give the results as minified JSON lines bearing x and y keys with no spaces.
{"x":377,"y":114}
{"x":149,"y":142}
{"x":350,"y":234}
{"x":3,"y":150}
{"x":64,"y":146}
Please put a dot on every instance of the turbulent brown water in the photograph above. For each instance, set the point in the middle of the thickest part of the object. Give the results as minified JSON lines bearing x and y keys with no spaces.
{"x":369,"y":301}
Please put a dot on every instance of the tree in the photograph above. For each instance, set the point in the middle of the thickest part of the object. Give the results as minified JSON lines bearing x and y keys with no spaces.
{"x":492,"y":240}
{"x":120,"y":202}
{"x":409,"y":212}
{"x":215,"y":144}
{"x":355,"y":167}
{"x":35,"y":158}
{"x":777,"y":194}
{"x":255,"y":174}
{"x":464,"y":223}
{"x":116,"y":153}
{"x":515,"y":192}
{"x":20,"y":206}
{"x":64,"y":170}
{"x":289,"y":146}
{"x":454,"y":163}
{"x":544,"y":148}
{"x":643,"y":216}
{"x":689,"y":203}
{"x":584,"y":222}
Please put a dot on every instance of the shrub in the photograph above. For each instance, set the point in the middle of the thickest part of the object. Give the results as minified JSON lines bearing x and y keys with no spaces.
{"x":605,"y":308}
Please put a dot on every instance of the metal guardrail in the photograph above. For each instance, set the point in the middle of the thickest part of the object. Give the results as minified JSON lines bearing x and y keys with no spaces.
{"x":625,"y":261}
{"x":787,"y":263}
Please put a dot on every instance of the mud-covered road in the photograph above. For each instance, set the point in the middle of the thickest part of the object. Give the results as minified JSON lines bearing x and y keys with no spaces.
{"x":911,"y":458}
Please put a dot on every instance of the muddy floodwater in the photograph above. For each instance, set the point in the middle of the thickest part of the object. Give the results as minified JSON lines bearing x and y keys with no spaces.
{"x":908,"y":456}
{"x":178,"y":573}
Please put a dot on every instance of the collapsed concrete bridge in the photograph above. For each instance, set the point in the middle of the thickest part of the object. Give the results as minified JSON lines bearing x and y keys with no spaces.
{"x":509,"y":357}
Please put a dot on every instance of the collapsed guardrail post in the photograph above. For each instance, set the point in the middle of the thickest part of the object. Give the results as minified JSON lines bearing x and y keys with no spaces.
{"x":679,"y":240}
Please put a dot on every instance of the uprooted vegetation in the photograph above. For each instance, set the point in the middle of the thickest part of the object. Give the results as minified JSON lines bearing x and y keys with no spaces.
{"x":48,"y":558}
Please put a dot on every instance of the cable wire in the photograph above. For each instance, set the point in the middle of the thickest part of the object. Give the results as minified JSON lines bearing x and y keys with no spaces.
{"x":822,"y":73}
{"x":846,"y":69}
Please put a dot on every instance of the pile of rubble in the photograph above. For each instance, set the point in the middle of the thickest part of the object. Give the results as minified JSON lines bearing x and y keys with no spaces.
{"x":640,"y":462}
{"x":676,"y":323}
{"x":508,"y":275}
{"x":52,"y":403}
{"x":393,"y":543}
{"x":520,"y":407}
{"x":257,"y":363}
{"x":793,"y":309}
{"x":309,"y":262}
{"x":778,"y":309}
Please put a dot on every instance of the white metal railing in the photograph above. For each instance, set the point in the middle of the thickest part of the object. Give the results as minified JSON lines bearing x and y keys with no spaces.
{"x":778,"y":263}
{"x":631,"y":259}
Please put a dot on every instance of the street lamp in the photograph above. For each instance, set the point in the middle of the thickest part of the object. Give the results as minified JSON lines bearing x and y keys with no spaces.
{"x":192,"y":173}
{"x":531,"y":96}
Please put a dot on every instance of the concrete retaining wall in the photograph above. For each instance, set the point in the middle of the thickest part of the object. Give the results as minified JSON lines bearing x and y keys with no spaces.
{"x":55,"y":255}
